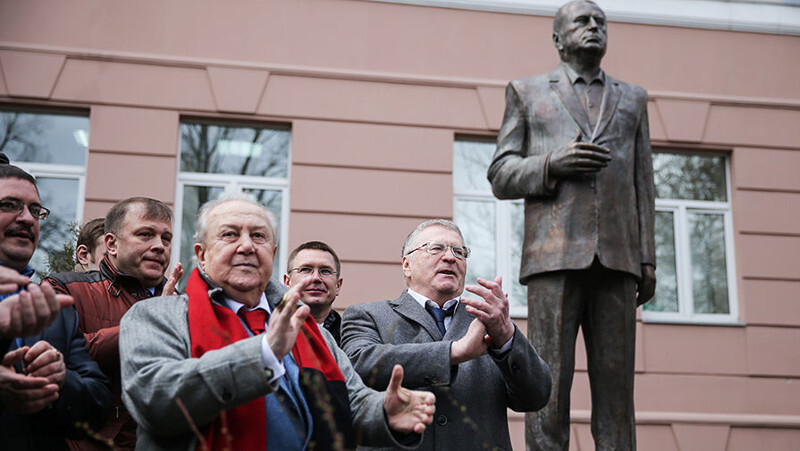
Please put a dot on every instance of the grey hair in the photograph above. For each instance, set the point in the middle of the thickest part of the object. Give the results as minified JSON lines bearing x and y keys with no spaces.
{"x":201,"y":224}
{"x":412,"y":237}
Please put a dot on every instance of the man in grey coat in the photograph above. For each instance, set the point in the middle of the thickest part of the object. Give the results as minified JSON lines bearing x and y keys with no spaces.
{"x":200,"y":370}
{"x":575,"y":145}
{"x":467,"y":351}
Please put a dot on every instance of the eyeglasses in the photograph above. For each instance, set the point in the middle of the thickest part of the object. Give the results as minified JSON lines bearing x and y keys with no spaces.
{"x":306,"y":271}
{"x":459,"y":252}
{"x":10,"y":205}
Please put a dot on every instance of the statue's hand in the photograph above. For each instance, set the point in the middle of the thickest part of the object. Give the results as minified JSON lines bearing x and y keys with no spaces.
{"x":577,"y":158}
{"x":647,"y":286}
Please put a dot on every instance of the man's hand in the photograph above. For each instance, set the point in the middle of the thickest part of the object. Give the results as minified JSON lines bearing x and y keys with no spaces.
{"x":407,"y":410}
{"x":10,"y":280}
{"x":43,"y":360}
{"x":172,"y":281}
{"x":492,"y":311}
{"x":31,"y":311}
{"x":647,"y":286}
{"x":471,"y":346}
{"x":286,"y":320}
{"x":22,"y":393}
{"x":578,"y":158}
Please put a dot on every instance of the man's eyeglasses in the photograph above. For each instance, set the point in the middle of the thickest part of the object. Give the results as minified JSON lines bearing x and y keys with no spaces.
{"x":306,"y":271}
{"x":16,"y":206}
{"x":459,"y":252}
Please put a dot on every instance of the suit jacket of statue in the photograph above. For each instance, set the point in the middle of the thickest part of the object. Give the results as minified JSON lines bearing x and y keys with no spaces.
{"x":472,"y":397}
{"x":608,"y":214}
{"x":158,"y":369}
{"x":84,"y":398}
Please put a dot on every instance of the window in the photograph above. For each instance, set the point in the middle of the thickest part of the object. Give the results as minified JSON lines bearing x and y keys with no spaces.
{"x":216,"y":158}
{"x":492,"y":228}
{"x":53,"y":146}
{"x":694,"y":240}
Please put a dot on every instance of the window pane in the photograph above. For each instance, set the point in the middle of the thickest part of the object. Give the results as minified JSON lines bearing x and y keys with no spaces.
{"x":476,"y":220}
{"x":471,"y":160}
{"x":690,"y":177}
{"x":666,"y":297}
{"x":193,"y":198}
{"x":234,"y":150}
{"x":709,"y":271}
{"x":273,"y":200}
{"x":58,"y":195}
{"x":44,"y":138}
{"x":517,"y":292}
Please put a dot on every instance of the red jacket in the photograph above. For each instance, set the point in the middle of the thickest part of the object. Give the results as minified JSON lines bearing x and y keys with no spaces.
{"x":101,"y":298}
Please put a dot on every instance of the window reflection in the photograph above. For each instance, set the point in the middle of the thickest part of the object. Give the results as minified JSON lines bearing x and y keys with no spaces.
{"x":471,"y":160}
{"x":709,"y":269}
{"x":695,"y":177}
{"x":44,"y":137}
{"x":666,"y":297}
{"x":59,"y":195}
{"x":240,"y":150}
{"x":476,"y":221}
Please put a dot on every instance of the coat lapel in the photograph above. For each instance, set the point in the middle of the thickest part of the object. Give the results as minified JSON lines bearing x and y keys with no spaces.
{"x":566,"y":92}
{"x":611,"y":94}
{"x":409,"y":308}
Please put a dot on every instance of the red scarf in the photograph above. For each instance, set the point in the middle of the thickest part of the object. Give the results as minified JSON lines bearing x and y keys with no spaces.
{"x":214,"y":326}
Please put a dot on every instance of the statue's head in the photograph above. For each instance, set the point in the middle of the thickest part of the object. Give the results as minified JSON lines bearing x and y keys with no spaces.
{"x":579,"y":31}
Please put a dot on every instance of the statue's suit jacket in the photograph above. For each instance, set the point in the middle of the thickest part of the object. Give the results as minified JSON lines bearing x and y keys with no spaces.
{"x":472,"y":397}
{"x":610,"y":213}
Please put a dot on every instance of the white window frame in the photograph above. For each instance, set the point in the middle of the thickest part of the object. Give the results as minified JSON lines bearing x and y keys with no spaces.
{"x":234,"y":183}
{"x":683,"y":267}
{"x":502,"y":232}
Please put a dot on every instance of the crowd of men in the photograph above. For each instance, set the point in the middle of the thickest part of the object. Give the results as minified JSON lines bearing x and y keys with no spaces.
{"x":112,"y":356}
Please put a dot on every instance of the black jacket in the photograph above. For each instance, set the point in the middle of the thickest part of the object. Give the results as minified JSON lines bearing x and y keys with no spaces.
{"x":83,"y":400}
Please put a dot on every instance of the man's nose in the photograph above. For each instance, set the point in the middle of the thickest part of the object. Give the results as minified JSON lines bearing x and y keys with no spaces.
{"x":593,"y":23}
{"x":26,"y":216}
{"x":246,"y":244}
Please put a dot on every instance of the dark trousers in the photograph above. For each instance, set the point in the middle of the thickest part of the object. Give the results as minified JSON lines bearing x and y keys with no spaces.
{"x":603,"y":303}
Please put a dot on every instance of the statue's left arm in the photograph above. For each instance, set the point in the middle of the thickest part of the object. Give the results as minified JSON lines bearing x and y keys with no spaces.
{"x":645,"y":199}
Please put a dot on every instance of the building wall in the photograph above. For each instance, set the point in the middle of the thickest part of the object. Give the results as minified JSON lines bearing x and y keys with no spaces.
{"x":375,"y":94}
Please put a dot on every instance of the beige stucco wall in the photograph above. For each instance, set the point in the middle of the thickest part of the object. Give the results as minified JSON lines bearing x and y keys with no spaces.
{"x":375,"y":94}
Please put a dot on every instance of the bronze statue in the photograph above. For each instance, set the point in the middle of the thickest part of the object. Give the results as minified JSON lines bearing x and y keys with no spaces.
{"x":575,"y":145}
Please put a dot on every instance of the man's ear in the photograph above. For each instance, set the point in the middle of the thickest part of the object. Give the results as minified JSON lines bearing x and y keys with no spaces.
{"x":82,"y":255}
{"x":111,"y":244}
{"x":287,"y":280}
{"x":339,"y":285}
{"x":557,"y":41}
{"x":407,"y":266}
{"x":200,"y":254}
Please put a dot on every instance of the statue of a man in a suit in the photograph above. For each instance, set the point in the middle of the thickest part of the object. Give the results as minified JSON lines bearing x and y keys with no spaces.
{"x":575,"y":145}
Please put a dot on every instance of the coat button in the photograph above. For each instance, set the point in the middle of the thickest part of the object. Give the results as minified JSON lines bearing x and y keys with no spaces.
{"x":441,"y":420}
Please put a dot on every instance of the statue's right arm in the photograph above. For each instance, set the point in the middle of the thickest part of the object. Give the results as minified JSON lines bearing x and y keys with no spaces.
{"x":516,"y":170}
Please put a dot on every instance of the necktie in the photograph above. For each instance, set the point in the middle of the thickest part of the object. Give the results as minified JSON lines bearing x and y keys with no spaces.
{"x":440,"y":314}
{"x":288,"y":418}
{"x":255,"y":319}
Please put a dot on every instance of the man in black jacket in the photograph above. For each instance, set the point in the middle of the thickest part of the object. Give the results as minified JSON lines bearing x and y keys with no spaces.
{"x":50,"y":389}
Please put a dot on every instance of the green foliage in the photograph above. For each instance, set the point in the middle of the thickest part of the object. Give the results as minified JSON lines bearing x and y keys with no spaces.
{"x":63,"y":260}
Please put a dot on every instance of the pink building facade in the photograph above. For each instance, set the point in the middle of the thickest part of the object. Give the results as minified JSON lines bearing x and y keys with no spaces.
{"x":356,"y":120}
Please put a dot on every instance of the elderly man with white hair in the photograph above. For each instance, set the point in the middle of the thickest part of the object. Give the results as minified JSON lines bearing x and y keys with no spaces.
{"x":199,"y":370}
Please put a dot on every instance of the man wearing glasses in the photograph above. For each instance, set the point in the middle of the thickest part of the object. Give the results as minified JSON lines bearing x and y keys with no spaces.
{"x":317,"y":261}
{"x":50,"y":389}
{"x":467,"y":351}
